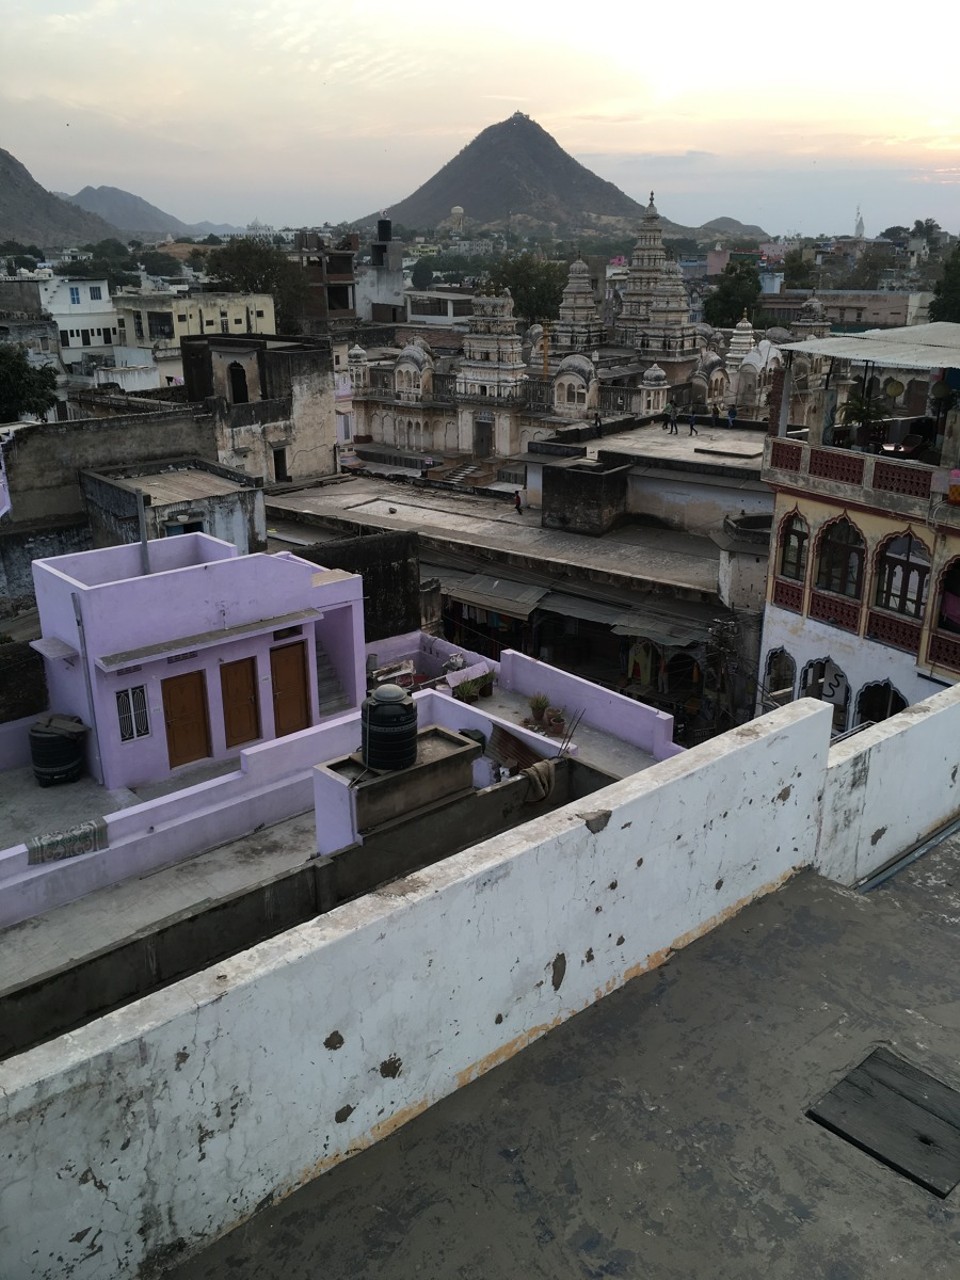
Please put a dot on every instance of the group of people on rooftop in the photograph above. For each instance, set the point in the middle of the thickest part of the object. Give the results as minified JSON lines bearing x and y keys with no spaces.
{"x":671,"y":417}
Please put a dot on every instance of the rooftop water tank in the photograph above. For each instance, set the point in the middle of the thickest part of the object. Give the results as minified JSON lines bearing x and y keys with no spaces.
{"x":388,"y":721}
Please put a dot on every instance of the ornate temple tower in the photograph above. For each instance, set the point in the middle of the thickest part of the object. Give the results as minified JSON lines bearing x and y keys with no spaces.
{"x":579,"y":327}
{"x":646,"y":268}
{"x":490,"y":378}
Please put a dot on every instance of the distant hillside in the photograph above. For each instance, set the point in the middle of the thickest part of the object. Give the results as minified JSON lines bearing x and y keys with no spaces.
{"x":514,"y":169}
{"x":514,"y":173}
{"x":731,"y":227}
{"x":138,"y":217}
{"x":32,"y":215}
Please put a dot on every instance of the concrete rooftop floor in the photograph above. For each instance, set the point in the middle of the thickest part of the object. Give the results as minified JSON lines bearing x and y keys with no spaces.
{"x":638,"y":551}
{"x":661,"y":1134}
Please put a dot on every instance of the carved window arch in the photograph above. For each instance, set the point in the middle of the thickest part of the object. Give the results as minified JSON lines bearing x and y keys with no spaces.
{"x":902,"y":575}
{"x":780,"y":675}
{"x":794,"y":542}
{"x":824,"y":680}
{"x":571,"y":393}
{"x":840,"y":557}
{"x":878,"y":701}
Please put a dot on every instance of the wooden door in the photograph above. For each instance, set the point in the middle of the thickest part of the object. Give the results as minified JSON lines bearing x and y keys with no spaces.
{"x":291,"y":692}
{"x":185,"y":715}
{"x":241,"y":707}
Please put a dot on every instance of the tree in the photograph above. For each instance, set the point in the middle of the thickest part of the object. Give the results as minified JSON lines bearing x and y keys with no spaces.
{"x":159,"y":264}
{"x":422,"y":277}
{"x":798,"y":274}
{"x":211,"y":239}
{"x":537,"y":286}
{"x":927,"y":229}
{"x":249,"y":266}
{"x":735,"y":296}
{"x":895,"y":233}
{"x":946,"y":292}
{"x":868,"y":269}
{"x":23,"y":388}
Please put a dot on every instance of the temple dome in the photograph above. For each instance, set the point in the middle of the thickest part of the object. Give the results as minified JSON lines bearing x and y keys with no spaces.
{"x":577,"y":364}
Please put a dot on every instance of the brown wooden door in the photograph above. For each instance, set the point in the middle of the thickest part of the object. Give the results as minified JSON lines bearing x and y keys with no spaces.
{"x":241,"y":708}
{"x":291,"y":693}
{"x":185,"y":715}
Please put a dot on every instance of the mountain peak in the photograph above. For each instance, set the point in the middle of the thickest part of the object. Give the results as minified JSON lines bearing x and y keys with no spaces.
{"x":30,"y":214}
{"x":515,"y":168}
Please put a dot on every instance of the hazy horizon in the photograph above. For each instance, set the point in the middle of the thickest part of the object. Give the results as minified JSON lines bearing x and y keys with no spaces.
{"x":298,"y":113}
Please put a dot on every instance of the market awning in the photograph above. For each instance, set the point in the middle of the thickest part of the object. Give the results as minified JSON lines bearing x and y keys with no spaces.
{"x":670,"y":632}
{"x":496,"y":595}
{"x":915,"y":346}
{"x":577,"y":607}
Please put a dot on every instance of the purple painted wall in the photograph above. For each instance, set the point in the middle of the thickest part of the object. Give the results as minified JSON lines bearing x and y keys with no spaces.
{"x":207,"y":589}
{"x":427,"y":652}
{"x":340,"y":633}
{"x":632,"y":721}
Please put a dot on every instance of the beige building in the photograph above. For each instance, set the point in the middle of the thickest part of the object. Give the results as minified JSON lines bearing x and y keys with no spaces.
{"x":151,"y":324}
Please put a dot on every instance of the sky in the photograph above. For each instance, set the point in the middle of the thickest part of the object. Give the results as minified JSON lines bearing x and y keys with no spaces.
{"x":298,"y":112}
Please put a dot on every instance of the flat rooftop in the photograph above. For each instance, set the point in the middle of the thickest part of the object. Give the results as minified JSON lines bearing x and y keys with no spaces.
{"x":712,"y":446}
{"x":662,"y":1132}
{"x":184,"y":484}
{"x":110,"y":917}
{"x":638,"y":552}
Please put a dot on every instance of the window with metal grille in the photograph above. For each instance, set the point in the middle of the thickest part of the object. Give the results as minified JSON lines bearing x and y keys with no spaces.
{"x":793,"y":548}
{"x":132,"y":713}
{"x":903,"y":572}
{"x":840,"y":567}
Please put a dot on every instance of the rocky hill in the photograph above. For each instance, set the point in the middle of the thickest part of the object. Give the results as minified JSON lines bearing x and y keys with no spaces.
{"x":138,"y":217}
{"x":515,"y":174}
{"x":32,"y":215}
{"x":514,"y":169}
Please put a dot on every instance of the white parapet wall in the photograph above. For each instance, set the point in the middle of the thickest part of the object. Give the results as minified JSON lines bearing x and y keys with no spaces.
{"x":154,"y":1129}
{"x":889,"y":786}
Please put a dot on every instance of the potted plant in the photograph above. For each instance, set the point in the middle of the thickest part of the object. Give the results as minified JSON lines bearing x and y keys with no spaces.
{"x":485,"y":685}
{"x":538,"y":703}
{"x":554,"y":720}
{"x":467,"y":691}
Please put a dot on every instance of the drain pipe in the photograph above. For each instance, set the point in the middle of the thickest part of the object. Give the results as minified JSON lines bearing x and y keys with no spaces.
{"x":905,"y":860}
{"x":142,"y":523}
{"x":95,"y":746}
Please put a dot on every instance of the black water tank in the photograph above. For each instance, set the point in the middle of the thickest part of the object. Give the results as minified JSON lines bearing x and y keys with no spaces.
{"x":388,"y":720}
{"x":384,"y":229}
{"x":57,"y":749}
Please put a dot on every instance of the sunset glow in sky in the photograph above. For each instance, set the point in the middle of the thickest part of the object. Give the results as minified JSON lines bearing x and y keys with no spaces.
{"x":298,"y":111}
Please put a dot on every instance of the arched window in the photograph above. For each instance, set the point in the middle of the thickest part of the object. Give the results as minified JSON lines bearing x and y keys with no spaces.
{"x":903,"y":575}
{"x":840,"y":560}
{"x":571,"y":394}
{"x":780,"y":676}
{"x":823,"y":679}
{"x":794,"y":538}
{"x":948,"y":611}
{"x":238,"y":384}
{"x":878,"y":702}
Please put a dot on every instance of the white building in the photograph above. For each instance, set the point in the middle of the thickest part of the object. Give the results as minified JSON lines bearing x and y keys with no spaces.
{"x":84,"y":314}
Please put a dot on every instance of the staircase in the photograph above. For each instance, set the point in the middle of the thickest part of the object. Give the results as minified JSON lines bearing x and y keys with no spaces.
{"x":330,"y":692}
{"x":462,"y":473}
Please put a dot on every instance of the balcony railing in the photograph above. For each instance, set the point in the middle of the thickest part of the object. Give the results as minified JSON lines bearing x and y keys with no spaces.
{"x":899,"y":633}
{"x":898,"y":485}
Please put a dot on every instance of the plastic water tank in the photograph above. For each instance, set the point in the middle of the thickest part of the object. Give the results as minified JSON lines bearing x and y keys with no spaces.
{"x":388,"y":721}
{"x":57,"y":749}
